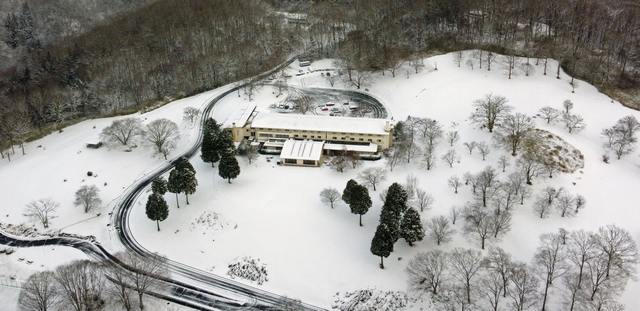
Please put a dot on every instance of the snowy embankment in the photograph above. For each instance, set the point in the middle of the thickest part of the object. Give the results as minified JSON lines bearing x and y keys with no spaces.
{"x":311,"y":251}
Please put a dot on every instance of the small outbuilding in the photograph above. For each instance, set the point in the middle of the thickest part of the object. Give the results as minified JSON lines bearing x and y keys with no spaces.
{"x":302,"y":152}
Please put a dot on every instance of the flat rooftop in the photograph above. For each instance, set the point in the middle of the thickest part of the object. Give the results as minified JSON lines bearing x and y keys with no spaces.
{"x":320,"y":123}
{"x":302,"y":149}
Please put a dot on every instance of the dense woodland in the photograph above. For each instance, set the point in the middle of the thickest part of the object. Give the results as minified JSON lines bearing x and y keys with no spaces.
{"x":172,"y":48}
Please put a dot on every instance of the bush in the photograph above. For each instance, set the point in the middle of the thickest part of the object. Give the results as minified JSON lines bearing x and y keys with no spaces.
{"x":249,"y":269}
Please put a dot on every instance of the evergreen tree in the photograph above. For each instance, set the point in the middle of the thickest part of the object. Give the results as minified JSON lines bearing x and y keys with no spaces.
{"x":174,"y":185}
{"x":183,"y":164}
{"x":159,"y":186}
{"x":382,"y":243}
{"x":157,"y":208}
{"x":360,"y":202}
{"x":188,"y":182}
{"x":395,"y":204}
{"x":228,"y":168}
{"x":411,"y":228}
{"x":346,"y":193}
{"x":210,"y":153}
{"x":224,"y":143}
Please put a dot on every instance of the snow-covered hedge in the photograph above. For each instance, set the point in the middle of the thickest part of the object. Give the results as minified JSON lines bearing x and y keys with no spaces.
{"x":371,"y":299}
{"x":249,"y":269}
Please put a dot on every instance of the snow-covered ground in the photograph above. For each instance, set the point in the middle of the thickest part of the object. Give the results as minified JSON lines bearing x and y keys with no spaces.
{"x":274,"y":213}
{"x":311,"y":252}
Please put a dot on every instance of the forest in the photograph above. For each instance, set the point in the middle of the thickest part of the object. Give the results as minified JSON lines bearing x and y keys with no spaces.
{"x":169,"y":49}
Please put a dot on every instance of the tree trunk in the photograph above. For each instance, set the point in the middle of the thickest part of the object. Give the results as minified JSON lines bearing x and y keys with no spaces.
{"x":158,"y":224}
{"x":140,"y":300}
{"x":360,"y":220}
{"x":186,"y":197}
{"x":177,"y":201}
{"x":22,"y":147}
{"x":381,"y":263}
{"x":229,"y":180}
{"x":544,"y":297}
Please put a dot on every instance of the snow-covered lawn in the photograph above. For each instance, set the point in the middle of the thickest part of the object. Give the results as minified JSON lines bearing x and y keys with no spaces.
{"x":311,"y":251}
{"x":275,"y":214}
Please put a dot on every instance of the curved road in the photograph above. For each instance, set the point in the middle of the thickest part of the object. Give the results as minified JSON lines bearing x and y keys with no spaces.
{"x":187,"y":285}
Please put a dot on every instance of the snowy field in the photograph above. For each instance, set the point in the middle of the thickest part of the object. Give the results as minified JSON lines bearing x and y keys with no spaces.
{"x":311,"y":252}
{"x":274,"y":213}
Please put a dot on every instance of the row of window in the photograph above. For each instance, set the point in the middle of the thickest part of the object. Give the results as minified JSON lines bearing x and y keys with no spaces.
{"x":318,"y":137}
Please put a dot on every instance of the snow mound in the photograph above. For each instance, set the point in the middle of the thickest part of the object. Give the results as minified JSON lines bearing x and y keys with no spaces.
{"x":249,"y":269}
{"x":557,"y":151}
{"x":371,"y":299}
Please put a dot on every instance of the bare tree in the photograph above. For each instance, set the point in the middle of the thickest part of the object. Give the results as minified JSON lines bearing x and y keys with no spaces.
{"x":477,"y":223}
{"x":499,"y":262}
{"x":491,"y":287}
{"x":331,"y":78}
{"x":573,"y":122}
{"x":550,"y":261}
{"x":542,"y":207}
{"x":484,"y":150}
{"x":513,"y":130}
{"x":452,"y":137}
{"x":423,"y":200}
{"x":454,"y":213}
{"x":486,"y":184}
{"x":621,"y":137}
{"x":394,"y":156}
{"x":88,"y":197}
{"x":440,"y":229}
{"x":454,"y":182}
{"x":500,"y":222}
{"x":429,"y":156}
{"x":191,"y":114}
{"x":489,"y":111}
{"x":123,"y":131}
{"x":582,"y":247}
{"x":564,"y":205}
{"x":329,"y":196}
{"x":39,"y":292}
{"x":465,"y":265}
{"x":567,"y":105}
{"x":163,"y":134}
{"x":301,"y":103}
{"x":503,"y":162}
{"x":42,"y":210}
{"x":523,"y":287}
{"x":458,"y":57}
{"x":427,"y":271}
{"x":619,"y":248}
{"x":144,"y":273}
{"x":549,"y":114}
{"x":470,"y":146}
{"x":450,"y":157}
{"x":373,"y":176}
{"x":81,"y":285}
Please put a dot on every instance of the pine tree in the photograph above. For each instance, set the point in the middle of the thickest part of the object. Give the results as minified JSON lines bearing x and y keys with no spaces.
{"x":360,"y":202}
{"x":159,"y":186}
{"x":395,"y":204}
{"x":224,"y":143}
{"x":189,"y":183}
{"x":346,"y":193}
{"x":157,"y":208}
{"x":411,"y":228}
{"x":228,"y":168}
{"x":174,"y":185}
{"x":183,"y":164}
{"x":210,"y":153}
{"x":382,"y":243}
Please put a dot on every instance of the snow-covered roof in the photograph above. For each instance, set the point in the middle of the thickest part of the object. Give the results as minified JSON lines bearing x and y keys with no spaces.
{"x":302,"y":149}
{"x":371,"y":148}
{"x":320,"y":123}
{"x":240,"y":116}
